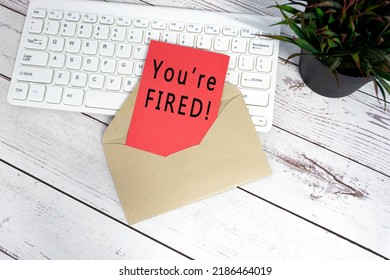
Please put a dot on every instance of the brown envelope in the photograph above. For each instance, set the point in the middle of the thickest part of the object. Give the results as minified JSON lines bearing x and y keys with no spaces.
{"x":147,"y":184}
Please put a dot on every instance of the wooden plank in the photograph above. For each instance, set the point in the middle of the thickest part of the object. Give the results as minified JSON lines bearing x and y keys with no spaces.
{"x":5,"y":257}
{"x":37,"y":222}
{"x":327,"y":189}
{"x":68,"y":156}
{"x":355,"y":126}
{"x":19,"y":6}
{"x":233,"y":225}
{"x":33,"y":227}
{"x":11,"y":25}
{"x":294,"y":113}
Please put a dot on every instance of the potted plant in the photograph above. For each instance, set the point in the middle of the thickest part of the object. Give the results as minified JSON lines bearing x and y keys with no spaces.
{"x":344,"y":43}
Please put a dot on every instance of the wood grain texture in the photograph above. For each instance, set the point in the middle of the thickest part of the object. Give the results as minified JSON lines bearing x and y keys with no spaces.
{"x":19,"y":6}
{"x":33,"y":225}
{"x":327,"y":189}
{"x":330,"y":162}
{"x":54,"y":156}
{"x":355,"y":126}
{"x":5,"y":257}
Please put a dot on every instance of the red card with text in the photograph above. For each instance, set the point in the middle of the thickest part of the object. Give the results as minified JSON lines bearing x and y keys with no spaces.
{"x":178,"y":98}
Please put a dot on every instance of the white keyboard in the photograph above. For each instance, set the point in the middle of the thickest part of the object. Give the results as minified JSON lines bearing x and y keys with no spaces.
{"x":86,"y":56}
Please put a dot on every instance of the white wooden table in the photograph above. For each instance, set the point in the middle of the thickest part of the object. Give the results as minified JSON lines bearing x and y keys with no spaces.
{"x":328,"y":197}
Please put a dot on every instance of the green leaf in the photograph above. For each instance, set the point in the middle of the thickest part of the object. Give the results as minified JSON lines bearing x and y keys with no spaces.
{"x":335,"y":63}
{"x":288,"y":9}
{"x":320,"y":15}
{"x":292,"y":56}
{"x":297,"y":30}
{"x":356,"y":59}
{"x":303,"y":44}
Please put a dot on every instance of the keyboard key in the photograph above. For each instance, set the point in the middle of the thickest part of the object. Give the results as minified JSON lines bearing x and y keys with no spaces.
{"x":194,"y":28}
{"x":37,"y":42}
{"x":89,"y":47}
{"x":35,"y":26}
{"x":261,"y":47}
{"x":73,"y":96}
{"x":91,"y":63}
{"x":56,"y":15}
{"x":73,"y":45}
{"x":140,"y":52}
{"x":89,"y":18}
{"x":139,"y":68}
{"x":125,"y":67}
{"x":123,"y":50}
{"x":230,"y":31}
{"x":259,"y":120}
{"x":246,"y":62}
{"x":129,"y":84}
{"x":186,"y":39}
{"x":96,"y":81}
{"x":107,"y":49}
{"x":62,"y":77}
{"x":249,"y":33}
{"x":39,"y":13}
{"x":177,"y":26}
{"x":141,"y":22}
{"x":39,"y":75}
{"x":204,"y":42}
{"x":79,"y":79}
{"x":101,"y":32}
{"x":255,"y":110}
{"x":84,"y":30}
{"x":135,"y":35}
{"x":19,"y":91}
{"x":52,"y":27}
{"x":71,"y":16}
{"x":53,"y":94}
{"x":109,"y":20}
{"x":169,"y":37}
{"x":232,"y":61}
{"x":159,"y":24}
{"x":264,"y":64}
{"x":152,"y":35}
{"x":108,"y":65}
{"x":212,"y":29}
{"x":255,"y":80}
{"x":113,"y":83}
{"x":221,"y":44}
{"x":255,"y":97}
{"x":56,"y":44}
{"x":57,"y":60}
{"x":36,"y":93}
{"x":239,"y":45}
{"x":123,"y":21}
{"x":68,"y":29}
{"x":73,"y":62}
{"x":104,"y":100}
{"x":118,"y":34}
{"x":232,"y":77}
{"x":267,"y":33}
{"x":35,"y":58}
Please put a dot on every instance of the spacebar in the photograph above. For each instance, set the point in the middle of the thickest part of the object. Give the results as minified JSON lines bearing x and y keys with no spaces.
{"x":104,"y":99}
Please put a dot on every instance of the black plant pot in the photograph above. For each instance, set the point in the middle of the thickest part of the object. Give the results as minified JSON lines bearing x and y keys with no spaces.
{"x":320,"y":79}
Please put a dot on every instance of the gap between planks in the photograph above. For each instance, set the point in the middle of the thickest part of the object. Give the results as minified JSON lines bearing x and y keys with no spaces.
{"x":95,"y":209}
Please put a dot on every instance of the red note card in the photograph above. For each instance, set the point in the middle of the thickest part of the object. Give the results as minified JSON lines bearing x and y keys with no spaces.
{"x":178,"y":98}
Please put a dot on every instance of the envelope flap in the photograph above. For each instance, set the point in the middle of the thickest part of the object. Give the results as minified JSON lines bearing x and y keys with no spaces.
{"x":229,"y":155}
